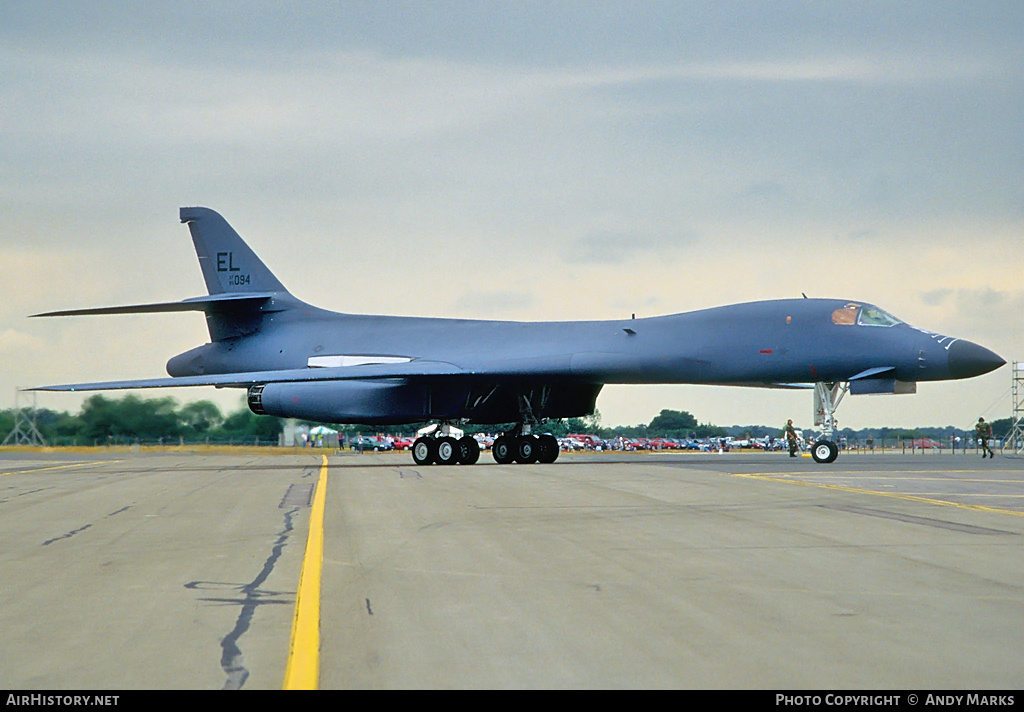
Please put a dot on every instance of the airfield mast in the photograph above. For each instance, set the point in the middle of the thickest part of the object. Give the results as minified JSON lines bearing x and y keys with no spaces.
{"x":25,"y":431}
{"x":1016,"y":438}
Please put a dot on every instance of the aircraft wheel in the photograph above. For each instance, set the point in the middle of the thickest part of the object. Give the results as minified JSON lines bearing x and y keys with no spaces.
{"x":526,"y":449}
{"x":502,"y":450}
{"x":547,"y":446}
{"x":424,"y":451}
{"x":824,"y":451}
{"x":447,"y":451}
{"x":469,"y":450}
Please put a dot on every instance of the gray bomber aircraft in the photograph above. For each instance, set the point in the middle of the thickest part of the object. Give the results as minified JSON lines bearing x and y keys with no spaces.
{"x":299,"y":361}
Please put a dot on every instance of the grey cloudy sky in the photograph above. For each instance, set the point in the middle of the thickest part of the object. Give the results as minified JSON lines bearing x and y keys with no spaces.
{"x":516,"y":160}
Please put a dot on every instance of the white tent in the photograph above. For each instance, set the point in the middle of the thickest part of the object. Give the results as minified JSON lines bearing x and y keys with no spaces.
{"x":322,"y":436}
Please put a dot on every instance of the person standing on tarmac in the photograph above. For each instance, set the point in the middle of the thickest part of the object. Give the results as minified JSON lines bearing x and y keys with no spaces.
{"x":984,"y":431}
{"x":790,"y":433}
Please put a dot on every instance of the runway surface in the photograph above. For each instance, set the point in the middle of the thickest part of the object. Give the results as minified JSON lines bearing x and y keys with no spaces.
{"x":143,"y":571}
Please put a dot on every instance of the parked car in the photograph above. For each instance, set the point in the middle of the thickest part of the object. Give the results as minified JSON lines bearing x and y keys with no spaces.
{"x":403,"y":443}
{"x":364,"y":443}
{"x":588,"y":442}
{"x":662,"y":444}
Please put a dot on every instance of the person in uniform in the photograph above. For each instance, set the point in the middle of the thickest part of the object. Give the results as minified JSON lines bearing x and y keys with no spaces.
{"x":984,"y":431}
{"x":790,"y":433}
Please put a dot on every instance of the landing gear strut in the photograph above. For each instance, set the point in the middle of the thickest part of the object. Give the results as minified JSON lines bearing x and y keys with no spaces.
{"x":826,"y":399}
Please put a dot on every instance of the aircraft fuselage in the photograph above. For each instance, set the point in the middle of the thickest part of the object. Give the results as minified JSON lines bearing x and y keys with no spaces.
{"x":770,"y":343}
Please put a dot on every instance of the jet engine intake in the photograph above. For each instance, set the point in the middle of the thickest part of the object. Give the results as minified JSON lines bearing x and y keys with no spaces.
{"x":254,"y":398}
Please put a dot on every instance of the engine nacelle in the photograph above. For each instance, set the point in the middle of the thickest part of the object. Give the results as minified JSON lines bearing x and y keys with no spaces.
{"x":343,"y":401}
{"x":394,"y":401}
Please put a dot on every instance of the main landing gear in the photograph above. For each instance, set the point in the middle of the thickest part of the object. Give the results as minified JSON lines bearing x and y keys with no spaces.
{"x":826,"y":399}
{"x":518,"y":445}
{"x":438,"y":446}
{"x":441,"y":448}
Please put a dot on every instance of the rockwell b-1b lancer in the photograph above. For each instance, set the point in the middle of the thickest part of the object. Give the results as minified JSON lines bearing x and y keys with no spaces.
{"x":299,"y":361}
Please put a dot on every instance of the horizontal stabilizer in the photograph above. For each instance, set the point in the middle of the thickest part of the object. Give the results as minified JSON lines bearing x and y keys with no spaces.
{"x":252,"y":300}
{"x":244,"y":380}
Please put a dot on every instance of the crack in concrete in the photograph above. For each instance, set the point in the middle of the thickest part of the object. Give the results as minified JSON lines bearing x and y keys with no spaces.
{"x":66,"y":536}
{"x":231,"y":659}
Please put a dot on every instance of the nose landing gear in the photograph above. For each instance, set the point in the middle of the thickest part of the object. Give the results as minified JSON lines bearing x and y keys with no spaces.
{"x":826,"y":399}
{"x":825,"y":451}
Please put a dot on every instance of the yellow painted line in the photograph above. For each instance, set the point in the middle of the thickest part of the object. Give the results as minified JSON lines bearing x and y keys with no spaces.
{"x":891,"y":478}
{"x":969,"y":494}
{"x":893,"y":495}
{"x":33,"y":470}
{"x":303,"y":669}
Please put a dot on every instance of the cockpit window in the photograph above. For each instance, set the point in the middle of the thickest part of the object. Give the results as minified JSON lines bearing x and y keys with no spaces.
{"x":873,"y":316}
{"x":863,"y":316}
{"x":847,"y":316}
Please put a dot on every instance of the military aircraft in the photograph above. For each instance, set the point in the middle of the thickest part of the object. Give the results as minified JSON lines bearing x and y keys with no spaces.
{"x":299,"y":361}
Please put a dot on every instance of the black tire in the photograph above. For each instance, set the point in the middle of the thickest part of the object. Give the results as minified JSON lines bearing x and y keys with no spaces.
{"x":447,"y":451}
{"x":469,"y":450}
{"x":548,"y":449}
{"x":825,"y":451}
{"x":502,"y":450}
{"x":527,"y":450}
{"x":424,"y":451}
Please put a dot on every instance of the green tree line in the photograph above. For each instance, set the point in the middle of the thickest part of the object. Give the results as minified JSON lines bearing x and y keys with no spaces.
{"x":105,"y":421}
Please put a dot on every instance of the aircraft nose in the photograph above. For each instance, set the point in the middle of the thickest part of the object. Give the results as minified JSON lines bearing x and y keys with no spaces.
{"x":967,"y":359}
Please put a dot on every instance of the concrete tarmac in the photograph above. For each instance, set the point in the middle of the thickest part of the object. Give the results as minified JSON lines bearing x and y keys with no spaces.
{"x":600,"y":571}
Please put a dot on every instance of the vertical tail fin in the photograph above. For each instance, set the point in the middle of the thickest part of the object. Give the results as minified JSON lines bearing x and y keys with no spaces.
{"x":228,"y":264}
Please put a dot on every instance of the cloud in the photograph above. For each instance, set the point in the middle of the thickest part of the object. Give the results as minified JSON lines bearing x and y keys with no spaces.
{"x":13,"y":342}
{"x":626,"y":246}
{"x":491,"y":304}
{"x":936,"y":297}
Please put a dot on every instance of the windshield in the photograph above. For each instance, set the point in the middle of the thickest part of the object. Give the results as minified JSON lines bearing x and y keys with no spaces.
{"x":863,"y":316}
{"x":873,"y":316}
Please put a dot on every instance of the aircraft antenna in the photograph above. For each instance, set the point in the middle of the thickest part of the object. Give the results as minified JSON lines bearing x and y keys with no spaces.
{"x":25,"y":431}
